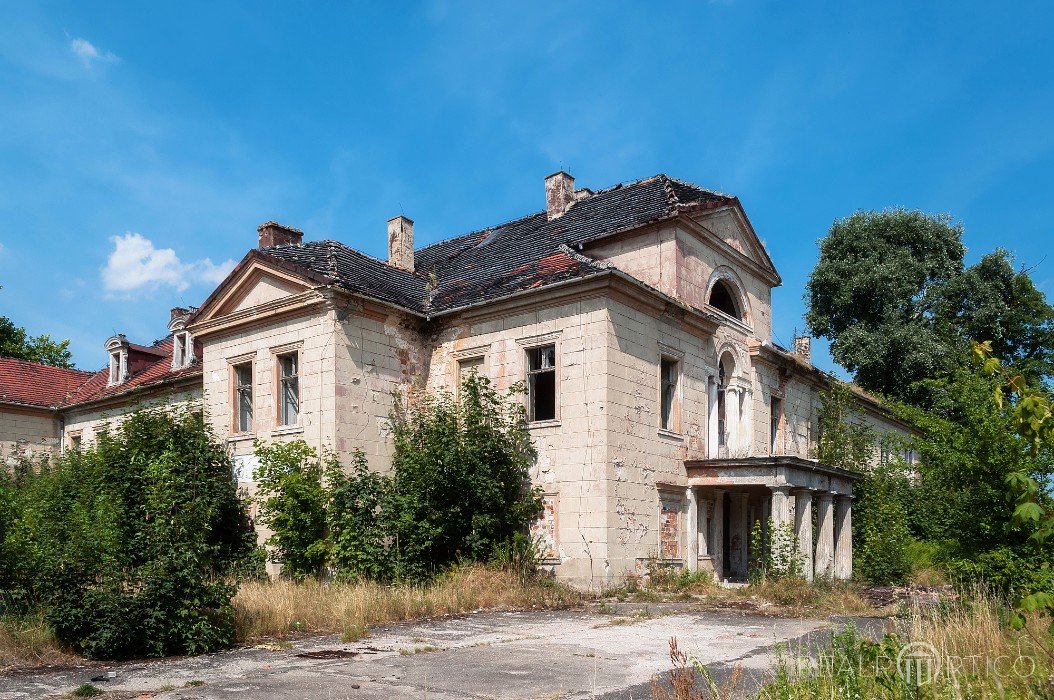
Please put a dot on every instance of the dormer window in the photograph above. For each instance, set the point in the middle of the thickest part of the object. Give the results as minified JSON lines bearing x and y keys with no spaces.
{"x":182,"y":340}
{"x":182,"y":349}
{"x":117,"y":347}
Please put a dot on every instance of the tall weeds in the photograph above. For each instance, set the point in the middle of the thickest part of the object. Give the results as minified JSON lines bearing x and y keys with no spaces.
{"x":279,"y":608}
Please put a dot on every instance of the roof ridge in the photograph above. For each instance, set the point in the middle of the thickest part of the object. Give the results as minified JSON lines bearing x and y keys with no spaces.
{"x":701,"y":189}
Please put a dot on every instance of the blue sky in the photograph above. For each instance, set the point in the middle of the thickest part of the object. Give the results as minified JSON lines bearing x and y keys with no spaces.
{"x":142,"y":143}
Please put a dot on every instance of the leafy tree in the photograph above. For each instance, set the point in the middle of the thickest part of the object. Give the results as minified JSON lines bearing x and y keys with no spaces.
{"x":15,"y":342}
{"x":355,"y":517}
{"x":881,"y":532}
{"x":892,"y":293}
{"x":124,"y":544}
{"x":293,"y":501}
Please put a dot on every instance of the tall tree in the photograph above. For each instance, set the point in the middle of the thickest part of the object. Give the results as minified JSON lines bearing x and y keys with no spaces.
{"x":892,"y":293}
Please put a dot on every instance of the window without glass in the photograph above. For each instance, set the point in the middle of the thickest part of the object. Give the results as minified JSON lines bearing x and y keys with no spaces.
{"x":722,"y":383}
{"x":466,"y":367}
{"x":541,"y":383}
{"x":179,"y":350}
{"x":776,"y":410}
{"x":723,"y":298}
{"x":243,"y":397}
{"x":288,"y":372}
{"x":669,"y":370}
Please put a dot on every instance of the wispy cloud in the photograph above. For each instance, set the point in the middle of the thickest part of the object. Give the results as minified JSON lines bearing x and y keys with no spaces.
{"x":135,"y":263}
{"x":89,"y":54}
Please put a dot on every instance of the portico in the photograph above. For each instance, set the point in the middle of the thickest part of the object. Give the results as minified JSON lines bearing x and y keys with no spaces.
{"x":726,"y":498}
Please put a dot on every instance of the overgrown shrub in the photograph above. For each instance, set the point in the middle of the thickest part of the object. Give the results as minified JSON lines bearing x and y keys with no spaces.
{"x":124,"y":544}
{"x":880,"y":524}
{"x":774,"y":553}
{"x":459,"y":491}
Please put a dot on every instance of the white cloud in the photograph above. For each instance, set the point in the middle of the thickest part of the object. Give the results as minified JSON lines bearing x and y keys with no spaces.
{"x":89,"y":54}
{"x":136,"y":264}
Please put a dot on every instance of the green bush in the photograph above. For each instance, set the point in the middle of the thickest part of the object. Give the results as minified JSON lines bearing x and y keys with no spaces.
{"x":1007,"y":570}
{"x":124,"y":544}
{"x":880,"y":525}
{"x":459,"y":491}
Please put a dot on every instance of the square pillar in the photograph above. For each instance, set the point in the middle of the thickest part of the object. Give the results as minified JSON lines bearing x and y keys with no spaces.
{"x":803,"y":530}
{"x":843,"y":544}
{"x":825,"y":535}
{"x":692,"y":528}
{"x":717,"y":551}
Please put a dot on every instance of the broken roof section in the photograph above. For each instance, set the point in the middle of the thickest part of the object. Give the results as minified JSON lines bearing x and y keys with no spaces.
{"x":516,"y":256}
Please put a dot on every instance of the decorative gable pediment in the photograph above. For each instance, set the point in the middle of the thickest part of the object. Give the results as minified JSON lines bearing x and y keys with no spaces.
{"x":257,"y":286}
{"x":729,"y":226}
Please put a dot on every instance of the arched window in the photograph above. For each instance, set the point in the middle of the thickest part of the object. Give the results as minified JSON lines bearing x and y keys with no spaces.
{"x":723,"y":298}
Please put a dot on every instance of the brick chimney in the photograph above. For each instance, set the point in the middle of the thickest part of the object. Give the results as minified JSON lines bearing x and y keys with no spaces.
{"x":803,"y":347}
{"x":178,"y":313}
{"x":273,"y":233}
{"x":401,"y":243}
{"x":559,"y":194}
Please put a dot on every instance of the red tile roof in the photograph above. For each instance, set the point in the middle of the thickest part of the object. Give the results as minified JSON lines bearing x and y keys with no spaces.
{"x":34,"y":384}
{"x":154,"y":374}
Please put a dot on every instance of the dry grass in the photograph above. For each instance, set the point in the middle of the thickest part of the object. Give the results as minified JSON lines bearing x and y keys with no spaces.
{"x":279,"y":608}
{"x":27,"y":642}
{"x":795,"y":596}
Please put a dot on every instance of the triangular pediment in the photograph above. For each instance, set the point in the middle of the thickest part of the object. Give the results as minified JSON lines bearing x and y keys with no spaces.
{"x":253,"y":283}
{"x":730,"y":226}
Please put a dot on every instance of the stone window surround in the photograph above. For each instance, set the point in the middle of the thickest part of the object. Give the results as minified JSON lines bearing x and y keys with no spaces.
{"x":724,"y":273}
{"x":530,"y":343}
{"x":277,"y":352}
{"x":117,"y":347}
{"x":232,"y":393}
{"x":471,"y":354}
{"x":183,"y":341}
{"x":670,"y":354}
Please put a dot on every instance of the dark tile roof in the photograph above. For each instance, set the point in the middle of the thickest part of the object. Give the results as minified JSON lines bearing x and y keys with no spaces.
{"x":34,"y":384}
{"x":518,"y":255}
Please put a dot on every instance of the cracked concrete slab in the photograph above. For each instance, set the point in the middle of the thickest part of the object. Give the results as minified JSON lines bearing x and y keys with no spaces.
{"x":562,"y":654}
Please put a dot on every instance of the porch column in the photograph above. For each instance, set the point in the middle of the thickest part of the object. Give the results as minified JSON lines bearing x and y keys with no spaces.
{"x":739,"y":522}
{"x":803,"y":529}
{"x":718,"y":552}
{"x":825,"y":535}
{"x":843,"y":546}
{"x":692,"y":536}
{"x":781,"y":505}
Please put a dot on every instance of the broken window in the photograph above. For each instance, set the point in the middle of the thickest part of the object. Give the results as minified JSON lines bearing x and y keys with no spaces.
{"x":669,"y":369}
{"x":117,"y":367}
{"x":243,"y":397}
{"x":289,"y":388}
{"x":723,"y":299}
{"x":541,"y":382}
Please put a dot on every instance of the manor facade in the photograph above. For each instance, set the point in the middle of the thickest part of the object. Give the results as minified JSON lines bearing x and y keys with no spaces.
{"x":667,"y":422}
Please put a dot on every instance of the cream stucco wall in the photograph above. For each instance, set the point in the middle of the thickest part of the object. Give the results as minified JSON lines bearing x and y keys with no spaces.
{"x":26,"y":432}
{"x":87,"y":422}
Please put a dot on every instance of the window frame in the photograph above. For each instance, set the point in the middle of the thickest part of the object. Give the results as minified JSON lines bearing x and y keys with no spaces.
{"x":528,"y":374}
{"x":671,"y":423}
{"x":469,"y":363}
{"x":775,"y":424}
{"x":280,"y":388}
{"x":236,"y":396}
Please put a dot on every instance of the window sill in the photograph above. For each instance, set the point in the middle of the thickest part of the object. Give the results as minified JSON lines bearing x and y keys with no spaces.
{"x":241,"y":437}
{"x":288,"y":430}
{"x":671,"y":434}
{"x":555,"y":423}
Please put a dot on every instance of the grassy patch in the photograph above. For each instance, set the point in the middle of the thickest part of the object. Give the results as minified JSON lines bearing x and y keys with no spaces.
{"x":28,"y":641}
{"x":278,"y":608}
{"x":86,"y":691}
{"x":797,"y":596}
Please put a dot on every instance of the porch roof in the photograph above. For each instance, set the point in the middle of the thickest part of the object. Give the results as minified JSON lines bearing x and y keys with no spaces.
{"x":771,"y":471}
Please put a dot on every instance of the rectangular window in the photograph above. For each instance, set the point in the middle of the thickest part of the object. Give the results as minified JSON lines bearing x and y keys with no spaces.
{"x":776,"y":415}
{"x":669,"y":370}
{"x":722,"y":439}
{"x":289,"y":388}
{"x":243,"y":397}
{"x":76,"y":440}
{"x":541,"y":383}
{"x":466,"y":367}
{"x":179,"y":350}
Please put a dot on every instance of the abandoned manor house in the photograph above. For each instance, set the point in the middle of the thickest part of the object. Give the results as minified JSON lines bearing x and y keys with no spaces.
{"x":667,"y":422}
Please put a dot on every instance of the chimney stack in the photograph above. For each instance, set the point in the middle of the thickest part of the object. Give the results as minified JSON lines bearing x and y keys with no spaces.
{"x":559,"y":194}
{"x":177,"y":313}
{"x":401,"y":243}
{"x":803,"y":347}
{"x":273,"y":233}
